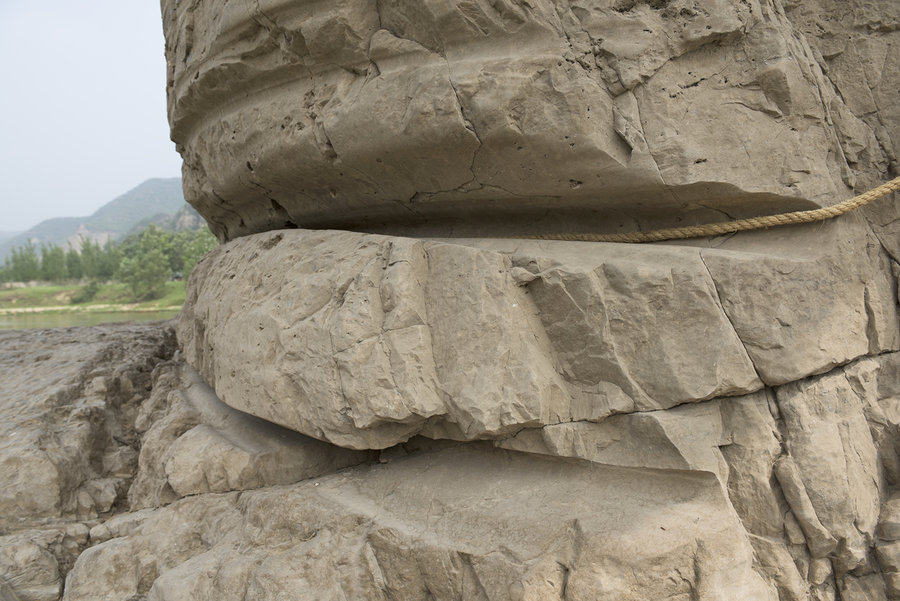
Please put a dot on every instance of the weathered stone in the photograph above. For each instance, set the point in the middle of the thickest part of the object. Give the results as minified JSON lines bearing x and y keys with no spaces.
{"x":393,"y":336}
{"x":892,"y":585}
{"x":68,"y":400}
{"x":29,"y":569}
{"x":889,"y":521}
{"x":685,"y":438}
{"x":854,"y":43}
{"x":806,"y":300}
{"x":353,"y":356}
{"x":643,"y":324}
{"x":819,"y":540}
{"x":835,"y":460}
{"x":33,"y":560}
{"x":368,"y":340}
{"x":118,"y":526}
{"x":869,"y":587}
{"x":199,"y":445}
{"x":456,"y":116}
{"x":369,"y":533}
{"x":704,"y":420}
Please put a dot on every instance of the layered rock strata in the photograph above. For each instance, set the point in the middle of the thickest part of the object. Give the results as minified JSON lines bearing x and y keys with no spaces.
{"x":365,"y":340}
{"x":422,"y":409}
{"x":473,"y":118}
{"x":778,"y":488}
{"x":103,"y":426}
{"x":69,"y":451}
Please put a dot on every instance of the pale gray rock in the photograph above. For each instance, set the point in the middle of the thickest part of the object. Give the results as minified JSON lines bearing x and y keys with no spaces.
{"x":771,"y":284}
{"x":119,"y":525}
{"x":889,"y":556}
{"x":385,"y":337}
{"x":370,"y":533}
{"x":804,"y":300}
{"x":199,"y":445}
{"x":389,"y":337}
{"x":854,"y":42}
{"x":819,"y":540}
{"x":29,"y":569}
{"x":836,"y":462}
{"x":869,"y":587}
{"x":460,"y":116}
{"x":637,"y":323}
{"x":802,"y":472}
{"x":367,"y":340}
{"x":68,"y":400}
{"x":33,"y":561}
{"x":120,"y":569}
{"x":889,"y":521}
{"x":705,"y":420}
{"x":684,"y":438}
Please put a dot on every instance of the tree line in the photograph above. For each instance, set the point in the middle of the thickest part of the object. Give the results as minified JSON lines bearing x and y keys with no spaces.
{"x":145,"y":260}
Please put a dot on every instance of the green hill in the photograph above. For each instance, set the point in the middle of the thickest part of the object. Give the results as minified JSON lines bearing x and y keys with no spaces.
{"x":150,"y":200}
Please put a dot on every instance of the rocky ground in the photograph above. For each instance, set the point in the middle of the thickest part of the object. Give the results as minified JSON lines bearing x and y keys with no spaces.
{"x":69,"y":399}
{"x":456,"y":415}
{"x":470,"y":420}
{"x":100,"y":424}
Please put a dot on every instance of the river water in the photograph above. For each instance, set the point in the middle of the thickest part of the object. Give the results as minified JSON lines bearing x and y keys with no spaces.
{"x":25,"y":321}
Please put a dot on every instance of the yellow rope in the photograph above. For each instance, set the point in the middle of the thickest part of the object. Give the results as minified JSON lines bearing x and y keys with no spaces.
{"x":727,"y":227}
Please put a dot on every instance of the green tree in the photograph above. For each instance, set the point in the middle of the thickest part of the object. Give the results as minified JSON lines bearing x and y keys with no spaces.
{"x":90,"y":257}
{"x":144,"y":265}
{"x":53,"y":263}
{"x":201,"y":243}
{"x":179,"y":243}
{"x":73,"y":264}
{"x":108,"y":259}
{"x":24,"y":263}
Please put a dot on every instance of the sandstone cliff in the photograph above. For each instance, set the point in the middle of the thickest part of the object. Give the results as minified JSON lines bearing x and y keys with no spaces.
{"x":410,"y":405}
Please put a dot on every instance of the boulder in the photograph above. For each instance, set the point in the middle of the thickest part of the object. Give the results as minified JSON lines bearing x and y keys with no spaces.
{"x":366,"y":340}
{"x":196,"y":444}
{"x":463,"y":117}
{"x":68,"y":401}
{"x":494,"y":525}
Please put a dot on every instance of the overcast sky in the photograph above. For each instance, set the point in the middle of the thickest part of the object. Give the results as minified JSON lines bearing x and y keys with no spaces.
{"x":82,"y":106}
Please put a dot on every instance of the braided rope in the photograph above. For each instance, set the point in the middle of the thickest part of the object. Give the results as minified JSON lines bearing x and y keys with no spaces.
{"x":727,"y":227}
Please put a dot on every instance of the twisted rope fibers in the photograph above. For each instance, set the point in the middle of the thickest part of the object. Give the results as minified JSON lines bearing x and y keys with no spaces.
{"x":728,"y":227}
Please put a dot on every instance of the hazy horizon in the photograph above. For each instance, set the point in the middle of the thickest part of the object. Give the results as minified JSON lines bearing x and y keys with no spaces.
{"x":84,"y":107}
{"x":6,"y":231}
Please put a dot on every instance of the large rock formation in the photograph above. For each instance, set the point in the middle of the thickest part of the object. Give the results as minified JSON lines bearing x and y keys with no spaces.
{"x":68,"y":401}
{"x":366,"y":340}
{"x":410,"y":405}
{"x":485,"y":117}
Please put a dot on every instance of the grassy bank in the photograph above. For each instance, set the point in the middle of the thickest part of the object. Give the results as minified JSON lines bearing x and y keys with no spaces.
{"x":110,"y":297}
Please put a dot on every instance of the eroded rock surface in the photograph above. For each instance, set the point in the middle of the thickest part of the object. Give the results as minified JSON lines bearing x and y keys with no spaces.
{"x":69,"y":399}
{"x":372,"y":534}
{"x":192,"y":443}
{"x":68,"y":449}
{"x":585,"y":115}
{"x":104,"y":425}
{"x":694,"y":462}
{"x":378,"y":416}
{"x":366,"y":340}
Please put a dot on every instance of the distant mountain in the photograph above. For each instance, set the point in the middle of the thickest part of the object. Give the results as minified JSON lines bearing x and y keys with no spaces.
{"x":155,"y":199}
{"x":4,"y":236}
{"x":186,"y":218}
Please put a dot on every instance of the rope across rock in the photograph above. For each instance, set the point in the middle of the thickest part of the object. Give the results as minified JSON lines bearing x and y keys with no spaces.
{"x":728,"y":227}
